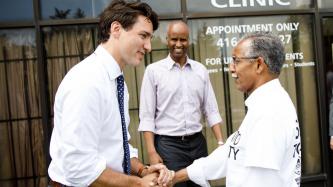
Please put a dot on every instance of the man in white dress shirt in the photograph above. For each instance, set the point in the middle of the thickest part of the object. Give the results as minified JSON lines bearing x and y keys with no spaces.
{"x":266,"y":149}
{"x":89,"y":144}
{"x":176,"y":92}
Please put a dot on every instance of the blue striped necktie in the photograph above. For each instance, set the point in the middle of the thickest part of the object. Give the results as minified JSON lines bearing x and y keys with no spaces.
{"x":120,"y":89}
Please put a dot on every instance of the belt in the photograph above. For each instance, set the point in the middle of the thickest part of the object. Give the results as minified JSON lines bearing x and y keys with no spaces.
{"x":183,"y":138}
{"x":56,"y":184}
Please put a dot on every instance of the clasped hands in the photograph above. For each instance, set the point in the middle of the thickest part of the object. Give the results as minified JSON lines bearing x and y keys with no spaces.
{"x":157,"y":175}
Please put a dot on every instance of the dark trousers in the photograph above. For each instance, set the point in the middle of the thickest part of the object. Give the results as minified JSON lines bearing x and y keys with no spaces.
{"x":178,"y":152}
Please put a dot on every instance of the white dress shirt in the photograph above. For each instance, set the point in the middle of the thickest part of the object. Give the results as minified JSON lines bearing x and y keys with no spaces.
{"x":173,"y":98}
{"x":266,"y":149}
{"x":87,"y":135}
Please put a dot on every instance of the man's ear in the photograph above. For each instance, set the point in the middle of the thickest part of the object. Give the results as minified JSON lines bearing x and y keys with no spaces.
{"x":115,"y":29}
{"x":261,"y":65}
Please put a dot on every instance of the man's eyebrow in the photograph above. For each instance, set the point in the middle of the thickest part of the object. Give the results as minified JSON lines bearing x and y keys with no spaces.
{"x":148,"y":34}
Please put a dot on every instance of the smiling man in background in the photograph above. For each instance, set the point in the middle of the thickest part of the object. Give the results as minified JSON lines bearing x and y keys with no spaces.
{"x":176,"y":92}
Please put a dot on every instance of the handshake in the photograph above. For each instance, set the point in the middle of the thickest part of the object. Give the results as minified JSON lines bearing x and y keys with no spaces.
{"x":157,"y":175}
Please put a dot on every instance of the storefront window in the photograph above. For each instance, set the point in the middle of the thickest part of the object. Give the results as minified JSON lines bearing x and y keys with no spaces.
{"x":18,"y":76}
{"x":16,"y":10}
{"x":66,"y":46}
{"x":73,"y":9}
{"x":159,"y":43}
{"x":164,"y":7}
{"x":22,"y":157}
{"x":224,"y":6}
{"x":213,"y":40}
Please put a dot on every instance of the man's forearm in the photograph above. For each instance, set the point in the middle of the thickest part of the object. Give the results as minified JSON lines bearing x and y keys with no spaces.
{"x":149,"y":138}
{"x":154,"y":157}
{"x":217,"y":132}
{"x":110,"y":178}
{"x":181,"y":176}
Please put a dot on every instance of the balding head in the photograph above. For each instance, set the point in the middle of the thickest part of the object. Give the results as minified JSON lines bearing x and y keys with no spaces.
{"x":177,"y":38}
{"x":176,"y":26}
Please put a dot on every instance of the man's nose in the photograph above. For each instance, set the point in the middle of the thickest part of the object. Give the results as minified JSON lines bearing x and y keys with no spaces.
{"x":147,"y":46}
{"x":178,"y":43}
{"x":232,"y":67}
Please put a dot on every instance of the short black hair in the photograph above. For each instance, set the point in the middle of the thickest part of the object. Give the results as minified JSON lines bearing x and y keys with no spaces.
{"x":126,"y":13}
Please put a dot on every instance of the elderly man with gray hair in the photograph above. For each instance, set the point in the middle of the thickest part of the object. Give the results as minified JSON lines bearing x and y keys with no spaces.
{"x":266,"y":149}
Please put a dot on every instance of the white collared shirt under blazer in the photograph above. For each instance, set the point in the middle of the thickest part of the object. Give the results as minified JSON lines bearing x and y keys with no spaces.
{"x":266,"y":149}
{"x":87,"y":135}
{"x":173,"y":99}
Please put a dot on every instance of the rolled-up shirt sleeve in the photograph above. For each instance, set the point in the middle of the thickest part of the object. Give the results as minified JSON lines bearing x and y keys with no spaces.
{"x":80,"y":130}
{"x":133,"y":151}
{"x":212,"y":167}
{"x":211,"y":109}
{"x":147,"y":102}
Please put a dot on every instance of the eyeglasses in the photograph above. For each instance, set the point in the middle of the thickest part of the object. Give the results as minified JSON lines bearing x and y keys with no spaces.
{"x":237,"y":60}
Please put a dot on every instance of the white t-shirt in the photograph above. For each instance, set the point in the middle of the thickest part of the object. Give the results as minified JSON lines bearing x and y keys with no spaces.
{"x":265,"y":151}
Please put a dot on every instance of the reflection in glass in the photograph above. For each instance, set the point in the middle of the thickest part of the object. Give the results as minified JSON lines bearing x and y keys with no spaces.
{"x":163,"y":6}
{"x":325,"y":3}
{"x":73,"y":9}
{"x":62,"y":9}
{"x":16,"y":10}
{"x":222,"y":6}
{"x":213,"y":40}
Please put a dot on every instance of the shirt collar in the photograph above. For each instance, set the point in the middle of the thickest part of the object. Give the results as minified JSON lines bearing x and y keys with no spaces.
{"x":261,"y":91}
{"x":171,"y":62}
{"x":110,"y":64}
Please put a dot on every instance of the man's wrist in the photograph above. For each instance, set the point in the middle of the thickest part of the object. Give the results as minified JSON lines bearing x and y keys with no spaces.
{"x":220,"y":142}
{"x":141,"y":172}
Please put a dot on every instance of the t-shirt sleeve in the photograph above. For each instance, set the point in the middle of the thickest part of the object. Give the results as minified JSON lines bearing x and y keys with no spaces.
{"x":212,"y":167}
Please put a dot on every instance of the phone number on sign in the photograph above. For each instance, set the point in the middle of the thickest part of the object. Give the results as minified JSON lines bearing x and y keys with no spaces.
{"x":227,"y":42}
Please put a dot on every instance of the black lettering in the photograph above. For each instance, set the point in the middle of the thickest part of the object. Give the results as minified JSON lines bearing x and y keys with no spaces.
{"x":236,"y":138}
{"x":297,"y":149}
{"x":234,"y":151}
{"x":298,"y":133}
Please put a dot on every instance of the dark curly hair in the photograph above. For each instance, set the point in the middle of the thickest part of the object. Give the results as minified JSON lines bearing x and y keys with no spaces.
{"x":126,"y":13}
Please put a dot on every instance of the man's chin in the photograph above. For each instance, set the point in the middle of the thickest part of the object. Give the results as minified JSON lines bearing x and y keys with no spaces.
{"x":178,"y":53}
{"x":136,"y":62}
